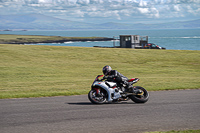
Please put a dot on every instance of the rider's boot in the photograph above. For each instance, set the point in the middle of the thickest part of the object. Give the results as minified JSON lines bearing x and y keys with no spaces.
{"x":131,"y":89}
{"x":126,"y":86}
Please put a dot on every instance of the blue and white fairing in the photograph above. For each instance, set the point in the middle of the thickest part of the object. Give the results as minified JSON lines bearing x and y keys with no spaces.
{"x":110,"y":88}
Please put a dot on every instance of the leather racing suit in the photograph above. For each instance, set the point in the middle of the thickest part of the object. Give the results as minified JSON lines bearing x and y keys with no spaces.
{"x":115,"y":76}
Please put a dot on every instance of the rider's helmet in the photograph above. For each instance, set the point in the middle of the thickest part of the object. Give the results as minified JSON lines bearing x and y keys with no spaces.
{"x":106,"y":70}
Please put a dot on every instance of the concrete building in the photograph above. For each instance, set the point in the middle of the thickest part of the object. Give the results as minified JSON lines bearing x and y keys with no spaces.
{"x":133,"y":41}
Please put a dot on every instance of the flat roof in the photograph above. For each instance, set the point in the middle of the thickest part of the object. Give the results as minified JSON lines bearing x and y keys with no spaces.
{"x":129,"y":35}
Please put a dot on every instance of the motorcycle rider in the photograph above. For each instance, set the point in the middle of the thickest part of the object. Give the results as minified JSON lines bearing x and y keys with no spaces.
{"x":114,"y":75}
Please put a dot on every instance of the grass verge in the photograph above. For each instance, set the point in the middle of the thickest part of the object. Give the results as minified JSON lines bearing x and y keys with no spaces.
{"x":39,"y":71}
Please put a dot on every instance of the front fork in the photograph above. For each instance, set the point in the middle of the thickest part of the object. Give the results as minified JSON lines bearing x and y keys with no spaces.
{"x":97,"y":90}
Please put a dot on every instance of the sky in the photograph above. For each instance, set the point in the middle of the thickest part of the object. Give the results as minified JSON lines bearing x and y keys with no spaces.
{"x":103,"y":11}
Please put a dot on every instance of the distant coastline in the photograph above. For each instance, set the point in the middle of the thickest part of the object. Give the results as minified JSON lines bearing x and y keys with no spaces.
{"x":29,"y":39}
{"x":13,"y":30}
{"x":184,"y":39}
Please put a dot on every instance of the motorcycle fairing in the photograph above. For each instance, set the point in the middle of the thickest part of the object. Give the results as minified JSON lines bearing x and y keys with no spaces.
{"x":111,"y":84}
{"x":133,"y":80}
{"x":109,"y":90}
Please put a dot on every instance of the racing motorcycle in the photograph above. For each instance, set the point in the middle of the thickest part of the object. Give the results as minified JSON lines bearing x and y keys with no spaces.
{"x":103,"y":90}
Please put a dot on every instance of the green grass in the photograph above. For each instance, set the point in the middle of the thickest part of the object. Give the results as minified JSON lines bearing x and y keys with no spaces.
{"x":6,"y":38}
{"x":185,"y":131}
{"x":38,"y":71}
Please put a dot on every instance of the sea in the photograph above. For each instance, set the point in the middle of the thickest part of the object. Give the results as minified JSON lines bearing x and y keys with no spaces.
{"x":171,"y":39}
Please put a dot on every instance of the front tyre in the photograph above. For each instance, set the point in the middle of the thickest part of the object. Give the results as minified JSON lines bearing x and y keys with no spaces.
{"x":96,"y":99}
{"x":140,"y":98}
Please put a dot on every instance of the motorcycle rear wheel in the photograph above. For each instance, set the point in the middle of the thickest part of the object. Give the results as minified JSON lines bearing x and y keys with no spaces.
{"x":140,"y":98}
{"x":92,"y":96}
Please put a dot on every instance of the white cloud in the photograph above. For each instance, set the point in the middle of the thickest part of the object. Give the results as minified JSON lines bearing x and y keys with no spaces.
{"x":143,"y":10}
{"x":42,"y":1}
{"x":176,"y":8}
{"x":105,"y":10}
{"x":142,"y":3}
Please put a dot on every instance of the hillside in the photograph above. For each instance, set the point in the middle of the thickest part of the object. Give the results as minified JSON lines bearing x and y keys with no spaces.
{"x":38,"y":21}
{"x":42,"y":22}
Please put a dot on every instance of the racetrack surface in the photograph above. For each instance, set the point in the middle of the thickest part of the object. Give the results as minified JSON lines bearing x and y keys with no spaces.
{"x":165,"y":110}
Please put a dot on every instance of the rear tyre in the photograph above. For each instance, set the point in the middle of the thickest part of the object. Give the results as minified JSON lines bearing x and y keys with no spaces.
{"x":96,"y":99}
{"x":140,"y":98}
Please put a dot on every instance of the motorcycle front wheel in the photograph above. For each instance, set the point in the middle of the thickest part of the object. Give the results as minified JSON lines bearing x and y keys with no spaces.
{"x":96,"y":99}
{"x":140,"y":98}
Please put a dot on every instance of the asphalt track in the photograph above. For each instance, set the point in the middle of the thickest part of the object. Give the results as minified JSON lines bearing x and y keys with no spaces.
{"x":165,"y":110}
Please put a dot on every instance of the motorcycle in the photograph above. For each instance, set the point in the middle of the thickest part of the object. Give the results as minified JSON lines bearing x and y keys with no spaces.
{"x":103,"y":91}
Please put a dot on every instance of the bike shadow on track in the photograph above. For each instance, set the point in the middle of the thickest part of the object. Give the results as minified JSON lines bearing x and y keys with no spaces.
{"x":89,"y":103}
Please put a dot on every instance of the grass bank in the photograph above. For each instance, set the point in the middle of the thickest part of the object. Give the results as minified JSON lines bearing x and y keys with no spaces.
{"x":37,"y":71}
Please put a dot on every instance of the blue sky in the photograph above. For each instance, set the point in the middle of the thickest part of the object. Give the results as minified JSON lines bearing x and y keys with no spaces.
{"x":102,"y":11}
